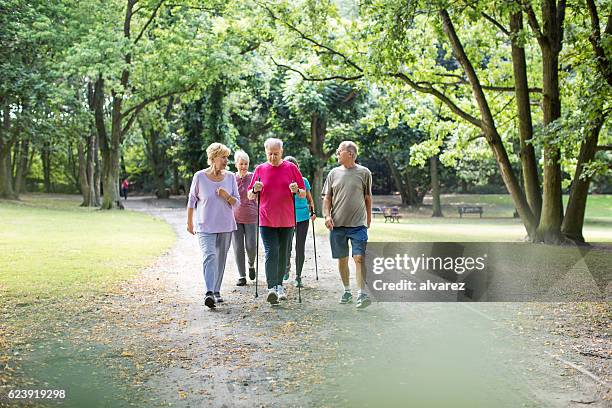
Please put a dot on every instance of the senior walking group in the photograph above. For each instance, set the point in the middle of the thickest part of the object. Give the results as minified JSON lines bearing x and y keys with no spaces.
{"x":225,"y":207}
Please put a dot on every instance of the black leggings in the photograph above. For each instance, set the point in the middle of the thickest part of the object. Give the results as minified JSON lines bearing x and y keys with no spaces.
{"x":276,"y":242}
{"x":300,"y":246}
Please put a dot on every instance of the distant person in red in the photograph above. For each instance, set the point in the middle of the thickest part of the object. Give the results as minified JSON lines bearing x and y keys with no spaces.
{"x":124,"y":188}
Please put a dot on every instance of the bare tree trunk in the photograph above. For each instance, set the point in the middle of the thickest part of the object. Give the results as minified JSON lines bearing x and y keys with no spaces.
{"x":83,"y":181}
{"x":97,"y":174}
{"x":45,"y":155}
{"x":15,"y":162}
{"x":576,"y":206}
{"x":489,"y":130}
{"x":318,"y":132}
{"x":22,"y":166}
{"x":550,"y":39}
{"x":435,"y":187}
{"x":6,"y":177}
{"x":397,"y":179}
{"x":529,"y":166}
{"x":176,"y":183}
{"x":412,"y":198}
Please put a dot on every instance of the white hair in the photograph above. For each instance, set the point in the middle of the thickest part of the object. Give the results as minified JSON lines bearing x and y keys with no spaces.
{"x":241,"y":155}
{"x":273,"y":142}
{"x":350,"y":147}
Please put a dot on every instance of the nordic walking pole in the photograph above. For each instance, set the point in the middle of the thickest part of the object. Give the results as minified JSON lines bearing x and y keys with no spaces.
{"x":314,"y":244}
{"x":295,"y":233}
{"x":257,"y":250}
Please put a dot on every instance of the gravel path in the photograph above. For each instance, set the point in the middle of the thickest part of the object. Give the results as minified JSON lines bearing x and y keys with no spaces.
{"x":319,"y":353}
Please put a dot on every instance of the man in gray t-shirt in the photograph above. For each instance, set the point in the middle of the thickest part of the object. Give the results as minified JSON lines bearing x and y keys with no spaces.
{"x":348,"y":213}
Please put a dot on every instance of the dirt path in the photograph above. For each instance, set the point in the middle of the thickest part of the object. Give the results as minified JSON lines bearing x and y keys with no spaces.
{"x":152,"y":342}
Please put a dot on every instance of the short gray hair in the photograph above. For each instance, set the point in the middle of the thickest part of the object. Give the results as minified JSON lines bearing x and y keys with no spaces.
{"x":292,"y":159}
{"x":350,"y":147}
{"x":272,"y":141}
{"x":241,"y":155}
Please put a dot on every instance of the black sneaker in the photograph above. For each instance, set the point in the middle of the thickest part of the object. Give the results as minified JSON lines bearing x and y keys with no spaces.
{"x":218,"y":298}
{"x":272,"y":297}
{"x":363,"y":301}
{"x":251,"y":273}
{"x":209,"y":300}
{"x":347,"y":297}
{"x":241,"y":282}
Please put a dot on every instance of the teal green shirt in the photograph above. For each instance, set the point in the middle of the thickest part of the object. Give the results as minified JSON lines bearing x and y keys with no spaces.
{"x":302,"y":213}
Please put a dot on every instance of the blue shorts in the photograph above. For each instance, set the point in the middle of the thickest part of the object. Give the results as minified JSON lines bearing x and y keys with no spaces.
{"x":339,"y":238}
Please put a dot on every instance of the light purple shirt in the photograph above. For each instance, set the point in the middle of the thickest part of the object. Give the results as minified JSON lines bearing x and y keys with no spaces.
{"x":213,"y":214}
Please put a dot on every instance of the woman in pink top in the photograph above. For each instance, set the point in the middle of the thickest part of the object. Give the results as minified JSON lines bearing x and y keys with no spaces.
{"x":244,"y":239}
{"x":275,"y":182}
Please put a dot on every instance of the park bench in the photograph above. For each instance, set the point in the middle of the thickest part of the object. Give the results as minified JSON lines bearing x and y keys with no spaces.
{"x":376,"y":211}
{"x":470,"y":209}
{"x":391,"y":214}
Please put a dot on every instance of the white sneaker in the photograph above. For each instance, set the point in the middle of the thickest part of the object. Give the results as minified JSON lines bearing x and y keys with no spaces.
{"x":272,"y":297}
{"x":281,"y":292}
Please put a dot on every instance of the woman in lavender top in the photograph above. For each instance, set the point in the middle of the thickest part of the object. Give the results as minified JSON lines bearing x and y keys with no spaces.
{"x":212,"y":195}
{"x":245,"y":214}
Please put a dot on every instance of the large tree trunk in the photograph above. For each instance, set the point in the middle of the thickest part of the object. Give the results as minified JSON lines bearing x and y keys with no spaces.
{"x":529,"y":166}
{"x":550,"y":40}
{"x":489,"y":130}
{"x":97,"y":174}
{"x":91,"y":197}
{"x":407,"y":180}
{"x":176,"y":182}
{"x":6,"y":176}
{"x":83,"y":181}
{"x":318,"y":131}
{"x":22,"y":166}
{"x":576,"y":206}
{"x":45,"y":156}
{"x":435,"y":187}
{"x":397,"y":179}
{"x":549,"y":229}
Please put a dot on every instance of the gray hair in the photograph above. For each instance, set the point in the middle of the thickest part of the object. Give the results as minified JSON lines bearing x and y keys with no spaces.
{"x":241,"y":155}
{"x":350,"y":147}
{"x":273,"y":142}
{"x":292,"y":159}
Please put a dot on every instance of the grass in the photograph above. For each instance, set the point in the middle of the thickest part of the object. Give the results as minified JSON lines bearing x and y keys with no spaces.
{"x":52,"y":248}
{"x":497,"y":224}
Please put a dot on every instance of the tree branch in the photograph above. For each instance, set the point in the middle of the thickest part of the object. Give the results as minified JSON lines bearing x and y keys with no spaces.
{"x":595,"y":38}
{"x":135,"y":110}
{"x":432,"y":91}
{"x":212,"y":10}
{"x":535,"y":26}
{"x":151,"y":18}
{"x":464,"y":81}
{"x":496,"y":23}
{"x":311,"y":40}
{"x":312,"y":79}
{"x":603,"y":148}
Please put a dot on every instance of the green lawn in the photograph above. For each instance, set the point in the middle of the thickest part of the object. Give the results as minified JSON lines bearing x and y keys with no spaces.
{"x":497,"y":224}
{"x":52,"y":248}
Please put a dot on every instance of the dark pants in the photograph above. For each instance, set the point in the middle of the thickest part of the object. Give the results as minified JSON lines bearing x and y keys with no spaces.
{"x":276,"y":245}
{"x":124,"y":191}
{"x":300,"y":246}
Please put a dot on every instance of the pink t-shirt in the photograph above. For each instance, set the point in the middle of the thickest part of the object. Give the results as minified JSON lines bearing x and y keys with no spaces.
{"x":276,"y":200}
{"x":246,"y":212}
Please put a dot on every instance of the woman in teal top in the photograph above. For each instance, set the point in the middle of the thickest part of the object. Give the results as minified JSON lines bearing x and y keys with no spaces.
{"x":304,"y":211}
